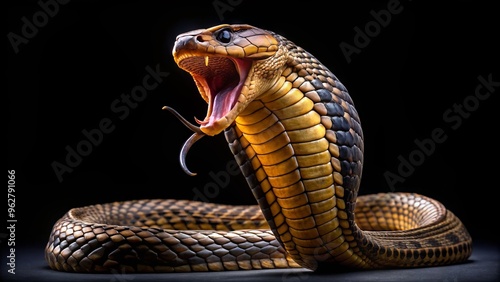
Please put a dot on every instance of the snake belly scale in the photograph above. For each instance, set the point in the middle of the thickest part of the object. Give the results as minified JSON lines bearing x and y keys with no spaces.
{"x":296,"y":135}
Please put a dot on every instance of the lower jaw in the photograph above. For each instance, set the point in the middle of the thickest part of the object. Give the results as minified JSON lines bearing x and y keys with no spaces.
{"x":215,"y":128}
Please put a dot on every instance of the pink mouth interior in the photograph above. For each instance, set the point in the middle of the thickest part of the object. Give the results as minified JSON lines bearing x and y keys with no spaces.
{"x":222,"y":81}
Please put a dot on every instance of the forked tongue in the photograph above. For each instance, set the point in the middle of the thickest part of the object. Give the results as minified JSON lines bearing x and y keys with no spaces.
{"x":197,"y":135}
{"x":222,"y":104}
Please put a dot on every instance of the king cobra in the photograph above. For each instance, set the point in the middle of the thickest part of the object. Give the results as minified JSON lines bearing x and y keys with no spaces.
{"x":296,"y":135}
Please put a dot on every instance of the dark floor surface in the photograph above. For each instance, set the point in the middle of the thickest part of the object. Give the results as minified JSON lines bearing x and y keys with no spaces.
{"x":482,"y":266}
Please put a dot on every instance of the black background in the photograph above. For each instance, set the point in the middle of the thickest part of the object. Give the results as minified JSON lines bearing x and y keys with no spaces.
{"x":423,"y":62}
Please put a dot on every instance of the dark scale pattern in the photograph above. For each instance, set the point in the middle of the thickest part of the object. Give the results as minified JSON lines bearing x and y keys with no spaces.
{"x":326,"y":96}
{"x":339,"y":122}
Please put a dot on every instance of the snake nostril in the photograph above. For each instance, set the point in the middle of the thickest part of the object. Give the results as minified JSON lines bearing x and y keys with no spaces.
{"x":199,"y":38}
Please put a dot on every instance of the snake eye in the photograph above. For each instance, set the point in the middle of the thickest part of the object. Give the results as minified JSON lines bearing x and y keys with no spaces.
{"x":224,"y":35}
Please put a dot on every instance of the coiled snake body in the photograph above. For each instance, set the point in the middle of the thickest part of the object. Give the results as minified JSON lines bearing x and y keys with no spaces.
{"x":297,"y":137}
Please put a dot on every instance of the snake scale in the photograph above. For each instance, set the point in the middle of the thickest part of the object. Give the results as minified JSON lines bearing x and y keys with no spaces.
{"x":296,"y":135}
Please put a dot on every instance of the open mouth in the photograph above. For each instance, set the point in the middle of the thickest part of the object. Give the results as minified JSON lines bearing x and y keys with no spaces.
{"x":220,"y":81}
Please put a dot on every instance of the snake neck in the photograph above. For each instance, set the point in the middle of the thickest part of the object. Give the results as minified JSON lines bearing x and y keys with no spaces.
{"x":303,"y":145}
